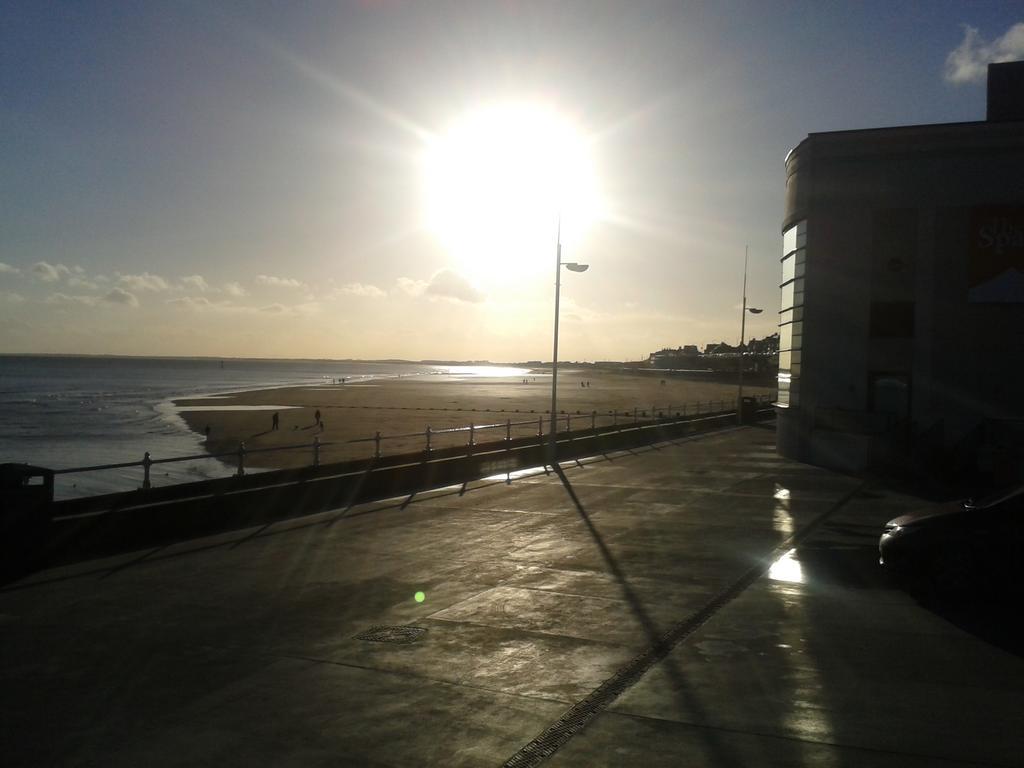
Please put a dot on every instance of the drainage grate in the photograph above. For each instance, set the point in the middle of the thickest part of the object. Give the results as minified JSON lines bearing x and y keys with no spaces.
{"x":392,"y":634}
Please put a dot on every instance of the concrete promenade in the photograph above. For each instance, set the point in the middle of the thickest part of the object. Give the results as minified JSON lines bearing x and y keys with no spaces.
{"x":697,"y":603}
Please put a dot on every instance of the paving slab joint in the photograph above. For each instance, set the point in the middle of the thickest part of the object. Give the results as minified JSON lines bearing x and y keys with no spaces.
{"x":577,"y":717}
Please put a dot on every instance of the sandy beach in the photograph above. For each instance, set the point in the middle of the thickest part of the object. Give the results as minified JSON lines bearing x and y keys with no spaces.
{"x":408,"y":405}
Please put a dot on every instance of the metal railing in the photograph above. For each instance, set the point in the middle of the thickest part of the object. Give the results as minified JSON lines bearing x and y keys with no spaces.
{"x":538,"y":429}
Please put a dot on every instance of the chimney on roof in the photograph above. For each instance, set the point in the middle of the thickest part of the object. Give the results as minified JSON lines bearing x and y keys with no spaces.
{"x":1005,"y":91}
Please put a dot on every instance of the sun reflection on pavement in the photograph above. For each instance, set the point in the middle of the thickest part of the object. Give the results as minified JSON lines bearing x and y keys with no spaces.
{"x":782,"y":521}
{"x":787,"y":568}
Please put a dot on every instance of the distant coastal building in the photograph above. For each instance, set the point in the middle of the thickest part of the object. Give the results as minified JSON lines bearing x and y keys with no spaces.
{"x":759,"y":355}
{"x":721,"y":348}
{"x":902,"y":309}
{"x":687,"y":357}
{"x":768,"y":346}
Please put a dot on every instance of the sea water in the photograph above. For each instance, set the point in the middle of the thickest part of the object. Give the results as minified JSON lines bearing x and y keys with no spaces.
{"x":62,"y":412}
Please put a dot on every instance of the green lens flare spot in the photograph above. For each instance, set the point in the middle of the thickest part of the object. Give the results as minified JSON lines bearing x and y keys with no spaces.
{"x":420,"y":597}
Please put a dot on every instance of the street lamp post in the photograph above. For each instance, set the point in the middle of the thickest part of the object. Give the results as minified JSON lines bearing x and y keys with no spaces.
{"x":572,"y":267}
{"x":743,"y":330}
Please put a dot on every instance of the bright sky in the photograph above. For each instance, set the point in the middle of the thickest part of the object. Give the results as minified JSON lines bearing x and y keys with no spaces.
{"x":383,"y":179}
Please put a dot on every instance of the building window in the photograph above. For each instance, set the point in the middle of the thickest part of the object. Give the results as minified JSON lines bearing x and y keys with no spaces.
{"x":791,"y":335}
{"x":791,"y":313}
{"x":785,"y":395}
{"x":793,"y":265}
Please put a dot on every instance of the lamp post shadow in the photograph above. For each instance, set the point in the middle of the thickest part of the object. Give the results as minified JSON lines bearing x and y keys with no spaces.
{"x":660,"y":644}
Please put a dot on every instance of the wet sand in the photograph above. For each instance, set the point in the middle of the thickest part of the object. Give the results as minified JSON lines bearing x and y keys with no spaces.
{"x":407,"y":406}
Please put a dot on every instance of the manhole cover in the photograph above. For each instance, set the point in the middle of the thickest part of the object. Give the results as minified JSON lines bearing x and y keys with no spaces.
{"x":392,"y":634}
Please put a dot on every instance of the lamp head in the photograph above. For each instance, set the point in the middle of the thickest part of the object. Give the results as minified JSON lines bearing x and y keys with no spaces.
{"x":754,"y":310}
{"x":572,"y":266}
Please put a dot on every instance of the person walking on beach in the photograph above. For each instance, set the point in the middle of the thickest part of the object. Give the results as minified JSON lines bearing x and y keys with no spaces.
{"x":316,"y":416}
{"x":275,"y":421}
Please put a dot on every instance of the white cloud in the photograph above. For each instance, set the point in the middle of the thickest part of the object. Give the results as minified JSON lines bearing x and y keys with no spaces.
{"x":121,"y":296}
{"x":451,"y":285}
{"x":361,"y":289}
{"x":7,"y":269}
{"x":50,"y":273}
{"x":115,"y":296}
{"x":234,"y":289}
{"x":193,"y":302}
{"x":411,"y":287}
{"x":278,"y":282}
{"x":9,"y":297}
{"x":143,"y":282}
{"x":444,"y":284}
{"x":196,"y":282}
{"x":64,"y":299}
{"x":294,"y":310}
{"x":82,"y":282}
{"x":203,"y":304}
{"x":968,"y":62}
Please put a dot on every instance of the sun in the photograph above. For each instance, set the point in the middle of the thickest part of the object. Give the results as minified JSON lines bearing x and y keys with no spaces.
{"x":497,"y":182}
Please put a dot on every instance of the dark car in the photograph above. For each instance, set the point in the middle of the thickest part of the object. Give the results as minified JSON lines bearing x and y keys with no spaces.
{"x":972,"y":548}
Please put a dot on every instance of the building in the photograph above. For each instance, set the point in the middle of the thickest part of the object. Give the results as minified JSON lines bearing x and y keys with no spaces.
{"x":902,"y":311}
{"x":681,"y":357}
{"x":720,"y":348}
{"x":759,"y":357}
{"x":768,"y":346}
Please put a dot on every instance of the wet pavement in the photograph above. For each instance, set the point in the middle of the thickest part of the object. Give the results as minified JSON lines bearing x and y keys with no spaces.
{"x":702,"y":602}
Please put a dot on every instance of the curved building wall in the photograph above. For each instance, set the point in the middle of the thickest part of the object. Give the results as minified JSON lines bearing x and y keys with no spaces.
{"x":911,"y":329}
